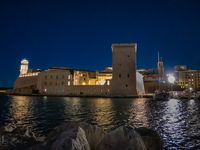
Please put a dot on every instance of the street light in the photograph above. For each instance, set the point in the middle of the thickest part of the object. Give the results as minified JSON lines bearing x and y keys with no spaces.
{"x":171,"y":80}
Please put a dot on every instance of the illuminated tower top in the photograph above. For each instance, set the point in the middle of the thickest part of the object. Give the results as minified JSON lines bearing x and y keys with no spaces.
{"x":24,"y":67}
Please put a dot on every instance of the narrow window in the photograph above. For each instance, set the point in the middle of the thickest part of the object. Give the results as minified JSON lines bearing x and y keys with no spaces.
{"x":128,"y":75}
{"x":119,"y":75}
{"x":126,"y":85}
{"x":68,"y":83}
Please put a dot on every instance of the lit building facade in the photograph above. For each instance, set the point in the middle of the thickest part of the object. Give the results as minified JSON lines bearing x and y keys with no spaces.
{"x":54,"y":80}
{"x":187,"y":78}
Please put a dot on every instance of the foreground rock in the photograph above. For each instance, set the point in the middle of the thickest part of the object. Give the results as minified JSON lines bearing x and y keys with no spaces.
{"x":83,"y":136}
{"x":13,"y":136}
{"x":150,"y":138}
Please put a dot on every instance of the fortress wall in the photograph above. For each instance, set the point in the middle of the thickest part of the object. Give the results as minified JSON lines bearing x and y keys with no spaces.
{"x":25,"y":82}
{"x":25,"y":85}
{"x":22,"y":91}
{"x":79,"y":90}
{"x":88,"y":90}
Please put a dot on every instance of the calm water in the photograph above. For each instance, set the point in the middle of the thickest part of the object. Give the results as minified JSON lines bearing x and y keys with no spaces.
{"x":177,"y":121}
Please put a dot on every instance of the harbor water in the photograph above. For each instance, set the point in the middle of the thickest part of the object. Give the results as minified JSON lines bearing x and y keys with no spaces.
{"x":176,"y":121}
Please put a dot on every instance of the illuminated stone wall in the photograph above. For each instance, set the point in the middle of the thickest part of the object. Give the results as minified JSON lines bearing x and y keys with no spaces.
{"x":123,"y":81}
{"x":25,"y":85}
{"x":88,"y":90}
{"x":54,"y":81}
{"x":120,"y":80}
{"x":140,"y":84}
{"x":61,"y":82}
{"x":25,"y":82}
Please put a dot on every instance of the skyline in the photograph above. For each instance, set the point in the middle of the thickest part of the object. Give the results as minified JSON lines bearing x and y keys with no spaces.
{"x":80,"y":34}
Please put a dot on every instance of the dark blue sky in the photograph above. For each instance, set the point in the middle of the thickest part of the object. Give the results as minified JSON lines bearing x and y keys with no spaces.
{"x":79,"y":34}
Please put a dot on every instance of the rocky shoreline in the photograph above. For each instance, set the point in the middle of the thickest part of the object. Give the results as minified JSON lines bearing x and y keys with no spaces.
{"x":81,"y":136}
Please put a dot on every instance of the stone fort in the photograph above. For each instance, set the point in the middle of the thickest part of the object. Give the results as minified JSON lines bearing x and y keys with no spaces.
{"x":120,"y":80}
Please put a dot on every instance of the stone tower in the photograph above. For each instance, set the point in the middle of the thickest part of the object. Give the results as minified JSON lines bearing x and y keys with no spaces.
{"x":160,"y":67}
{"x":24,"y":67}
{"x":123,"y":81}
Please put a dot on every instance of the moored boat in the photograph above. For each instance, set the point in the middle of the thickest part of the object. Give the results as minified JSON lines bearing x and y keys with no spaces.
{"x":161,"y":95}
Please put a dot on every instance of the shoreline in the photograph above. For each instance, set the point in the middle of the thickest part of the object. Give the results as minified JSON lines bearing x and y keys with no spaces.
{"x":89,"y":96}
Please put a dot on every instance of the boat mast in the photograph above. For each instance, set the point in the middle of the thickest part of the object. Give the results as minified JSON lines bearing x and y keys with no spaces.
{"x":158,"y":65}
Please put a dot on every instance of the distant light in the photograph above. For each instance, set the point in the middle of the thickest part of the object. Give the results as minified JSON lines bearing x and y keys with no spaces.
{"x":190,"y":89}
{"x":45,"y":90}
{"x":171,"y":78}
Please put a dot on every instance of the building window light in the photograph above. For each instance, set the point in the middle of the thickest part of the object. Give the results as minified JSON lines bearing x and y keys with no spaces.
{"x":68,"y":83}
{"x":68,"y":76}
{"x":108,"y":82}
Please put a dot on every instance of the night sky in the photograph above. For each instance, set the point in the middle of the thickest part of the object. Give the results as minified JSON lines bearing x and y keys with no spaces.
{"x":79,"y":34}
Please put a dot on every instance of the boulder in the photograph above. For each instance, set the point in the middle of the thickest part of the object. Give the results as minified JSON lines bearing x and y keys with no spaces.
{"x":83,"y":136}
{"x":151,"y":138}
{"x":72,"y":136}
{"x":122,"y":138}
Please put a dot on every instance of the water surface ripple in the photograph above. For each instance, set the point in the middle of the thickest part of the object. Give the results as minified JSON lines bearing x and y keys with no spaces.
{"x":177,"y":121}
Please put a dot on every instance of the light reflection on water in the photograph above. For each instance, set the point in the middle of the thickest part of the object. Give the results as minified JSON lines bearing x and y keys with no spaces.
{"x":177,"y":121}
{"x":138,"y":113}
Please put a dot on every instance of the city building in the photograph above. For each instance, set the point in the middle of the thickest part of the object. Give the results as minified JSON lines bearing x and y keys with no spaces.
{"x":120,"y":80}
{"x":154,"y":79}
{"x":187,"y":78}
{"x":150,"y":78}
